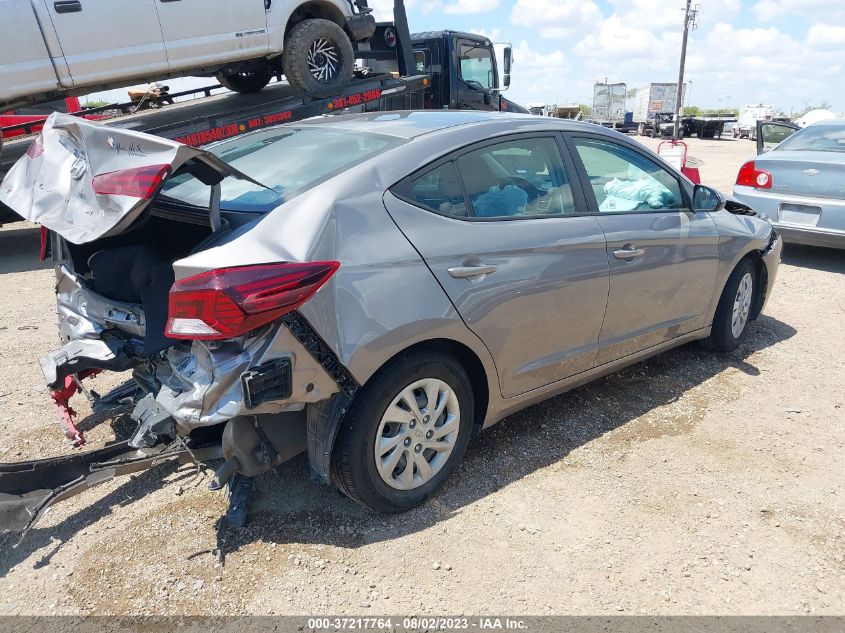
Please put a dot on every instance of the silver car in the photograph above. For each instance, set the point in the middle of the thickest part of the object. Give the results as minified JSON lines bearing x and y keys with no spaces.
{"x":798,"y":180}
{"x":388,"y":283}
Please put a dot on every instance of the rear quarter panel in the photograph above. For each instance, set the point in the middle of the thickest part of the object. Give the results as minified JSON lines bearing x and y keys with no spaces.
{"x":382,"y":300}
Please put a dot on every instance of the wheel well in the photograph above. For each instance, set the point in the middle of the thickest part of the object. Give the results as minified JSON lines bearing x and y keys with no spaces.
{"x":471,"y":364}
{"x":315,"y":10}
{"x":762,"y":283}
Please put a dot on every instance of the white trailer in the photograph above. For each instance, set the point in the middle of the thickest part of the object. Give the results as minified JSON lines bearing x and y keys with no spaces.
{"x":746,"y":127}
{"x":609,"y":102}
{"x":652,"y":100}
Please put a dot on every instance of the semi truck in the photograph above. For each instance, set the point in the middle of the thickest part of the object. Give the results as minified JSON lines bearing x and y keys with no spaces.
{"x":654,"y":105}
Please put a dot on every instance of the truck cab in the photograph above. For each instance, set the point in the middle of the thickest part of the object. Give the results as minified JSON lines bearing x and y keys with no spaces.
{"x":464,"y":72}
{"x":462,"y":66}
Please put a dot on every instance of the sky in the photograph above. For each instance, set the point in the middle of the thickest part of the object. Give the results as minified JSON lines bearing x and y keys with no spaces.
{"x":786,"y":53}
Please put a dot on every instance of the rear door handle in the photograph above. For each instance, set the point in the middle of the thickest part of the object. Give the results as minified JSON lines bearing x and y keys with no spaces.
{"x":629,"y":252}
{"x":67,"y":6}
{"x":465,"y":272}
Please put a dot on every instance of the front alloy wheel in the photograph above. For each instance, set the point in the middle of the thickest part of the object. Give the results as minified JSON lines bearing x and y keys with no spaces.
{"x":734,"y":311}
{"x":417,"y":434}
{"x":742,"y":305}
{"x":318,"y":57}
{"x":324,"y":60}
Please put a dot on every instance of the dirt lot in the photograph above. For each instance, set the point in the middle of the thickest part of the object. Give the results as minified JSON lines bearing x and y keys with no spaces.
{"x":690,"y":484}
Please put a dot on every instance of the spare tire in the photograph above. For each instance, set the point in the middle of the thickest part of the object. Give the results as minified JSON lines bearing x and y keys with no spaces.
{"x":318,"y":57}
{"x":245,"y":82}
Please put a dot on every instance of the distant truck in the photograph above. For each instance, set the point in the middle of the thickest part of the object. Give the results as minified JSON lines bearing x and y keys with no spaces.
{"x":746,"y":126}
{"x":609,"y":101}
{"x":653,"y":102}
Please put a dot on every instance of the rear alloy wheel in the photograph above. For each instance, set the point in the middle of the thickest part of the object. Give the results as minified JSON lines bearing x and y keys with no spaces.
{"x":417,"y":434}
{"x":405,"y":433}
{"x":318,"y":56}
{"x":734,"y":310}
{"x":245,"y":82}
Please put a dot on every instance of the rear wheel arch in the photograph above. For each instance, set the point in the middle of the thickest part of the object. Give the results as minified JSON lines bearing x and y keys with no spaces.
{"x":467,"y":358}
{"x":761,"y":280}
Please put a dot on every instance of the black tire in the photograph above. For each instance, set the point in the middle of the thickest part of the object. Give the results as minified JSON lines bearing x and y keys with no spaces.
{"x":295,"y":57}
{"x":245,"y":82}
{"x":722,"y":337}
{"x":353,"y":466}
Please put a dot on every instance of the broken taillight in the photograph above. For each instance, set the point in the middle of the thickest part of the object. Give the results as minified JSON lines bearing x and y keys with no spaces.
{"x":36,"y":148}
{"x":139,"y":182}
{"x":228,"y":302}
{"x":750,"y":176}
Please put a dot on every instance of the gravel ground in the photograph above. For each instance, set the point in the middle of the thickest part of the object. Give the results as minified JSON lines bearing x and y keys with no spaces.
{"x":689,"y":484}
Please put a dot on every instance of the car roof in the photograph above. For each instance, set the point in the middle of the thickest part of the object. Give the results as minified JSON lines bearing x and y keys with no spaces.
{"x":830,"y":122}
{"x":435,"y":35}
{"x":408,"y":124}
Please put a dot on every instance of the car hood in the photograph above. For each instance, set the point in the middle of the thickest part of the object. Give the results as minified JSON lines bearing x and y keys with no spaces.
{"x":53,"y":183}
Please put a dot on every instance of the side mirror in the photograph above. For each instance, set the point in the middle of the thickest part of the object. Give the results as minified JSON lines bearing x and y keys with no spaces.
{"x":707,"y":199}
{"x":506,"y":66}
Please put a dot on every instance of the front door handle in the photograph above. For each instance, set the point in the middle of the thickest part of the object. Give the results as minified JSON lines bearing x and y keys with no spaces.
{"x":67,"y":6}
{"x":629,"y":252}
{"x":466,"y":272}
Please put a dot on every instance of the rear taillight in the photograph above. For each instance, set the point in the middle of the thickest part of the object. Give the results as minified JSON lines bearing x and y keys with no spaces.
{"x":36,"y":148}
{"x":228,"y":302}
{"x":750,"y":176}
{"x":140,"y":182}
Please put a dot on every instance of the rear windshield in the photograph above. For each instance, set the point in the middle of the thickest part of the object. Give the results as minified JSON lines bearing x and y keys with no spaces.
{"x":816,"y":138}
{"x":287,"y":160}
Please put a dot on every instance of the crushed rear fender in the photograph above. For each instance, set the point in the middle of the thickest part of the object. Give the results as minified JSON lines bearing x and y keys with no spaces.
{"x":53,"y":183}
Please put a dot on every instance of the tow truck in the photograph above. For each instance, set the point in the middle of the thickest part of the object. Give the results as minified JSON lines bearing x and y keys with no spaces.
{"x":400,"y":71}
{"x":433,"y":70}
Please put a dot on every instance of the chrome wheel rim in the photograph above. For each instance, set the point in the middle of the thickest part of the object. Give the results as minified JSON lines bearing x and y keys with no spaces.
{"x":323,"y":60}
{"x":417,"y":434}
{"x":742,"y":305}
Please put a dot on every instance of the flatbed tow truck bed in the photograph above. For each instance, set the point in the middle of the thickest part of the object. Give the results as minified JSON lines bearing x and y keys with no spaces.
{"x":217,"y":117}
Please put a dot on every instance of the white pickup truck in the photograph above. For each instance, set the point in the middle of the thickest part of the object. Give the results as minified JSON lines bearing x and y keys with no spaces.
{"x":54,"y":48}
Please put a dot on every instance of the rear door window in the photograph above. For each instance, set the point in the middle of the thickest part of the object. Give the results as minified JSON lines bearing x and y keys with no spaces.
{"x":514,"y":179}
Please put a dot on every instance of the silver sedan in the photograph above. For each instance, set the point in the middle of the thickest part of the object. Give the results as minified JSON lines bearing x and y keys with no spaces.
{"x":389,"y":282}
{"x":798,"y":180}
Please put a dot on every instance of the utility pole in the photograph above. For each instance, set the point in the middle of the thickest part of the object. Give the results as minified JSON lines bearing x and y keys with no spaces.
{"x":689,"y":23}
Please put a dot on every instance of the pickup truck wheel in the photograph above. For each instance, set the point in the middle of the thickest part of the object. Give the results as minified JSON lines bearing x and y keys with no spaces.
{"x":318,"y":57}
{"x":733,"y":314}
{"x":405,"y":433}
{"x":245,"y":82}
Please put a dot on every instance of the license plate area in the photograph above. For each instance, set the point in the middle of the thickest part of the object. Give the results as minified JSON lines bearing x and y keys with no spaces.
{"x":803,"y":214}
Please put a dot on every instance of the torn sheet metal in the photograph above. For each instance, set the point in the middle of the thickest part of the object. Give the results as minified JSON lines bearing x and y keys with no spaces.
{"x":85,"y":314}
{"x":53,"y":183}
{"x":201,"y":381}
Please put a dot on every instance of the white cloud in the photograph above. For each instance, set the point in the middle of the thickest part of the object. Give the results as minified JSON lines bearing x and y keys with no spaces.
{"x":540,"y":76}
{"x":826,"y":37}
{"x":463,"y":7}
{"x":766,"y":10}
{"x":555,"y":18}
{"x":383,"y":9}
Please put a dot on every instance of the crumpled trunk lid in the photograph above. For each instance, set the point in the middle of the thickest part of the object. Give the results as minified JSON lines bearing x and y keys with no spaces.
{"x":53,"y":184}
